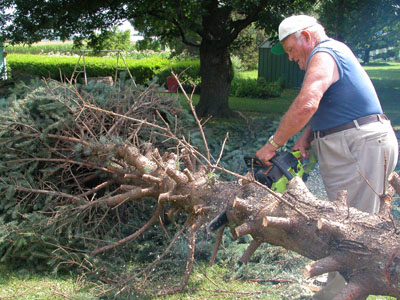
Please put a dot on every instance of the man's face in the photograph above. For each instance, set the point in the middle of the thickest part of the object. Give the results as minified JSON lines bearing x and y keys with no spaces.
{"x":297,"y":49}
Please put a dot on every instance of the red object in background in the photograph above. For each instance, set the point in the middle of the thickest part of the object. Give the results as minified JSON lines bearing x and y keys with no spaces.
{"x":172,"y":84}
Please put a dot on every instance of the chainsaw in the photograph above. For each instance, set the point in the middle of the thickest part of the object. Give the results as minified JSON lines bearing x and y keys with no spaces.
{"x":285,"y":166}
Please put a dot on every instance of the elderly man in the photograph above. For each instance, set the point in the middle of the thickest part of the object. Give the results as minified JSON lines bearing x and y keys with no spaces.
{"x":341,"y":115}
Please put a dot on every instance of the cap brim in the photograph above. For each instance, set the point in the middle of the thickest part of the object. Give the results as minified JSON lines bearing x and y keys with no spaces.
{"x":277,"y":49}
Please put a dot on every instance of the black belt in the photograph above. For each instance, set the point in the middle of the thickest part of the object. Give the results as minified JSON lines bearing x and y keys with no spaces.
{"x":360,"y":121}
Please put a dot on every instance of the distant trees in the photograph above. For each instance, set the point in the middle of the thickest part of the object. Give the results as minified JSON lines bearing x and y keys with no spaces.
{"x":111,"y":39}
{"x":364,"y":25}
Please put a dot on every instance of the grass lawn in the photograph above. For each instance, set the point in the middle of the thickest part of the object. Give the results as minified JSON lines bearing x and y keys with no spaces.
{"x":26,"y":285}
{"x":206,"y":283}
{"x":271,"y":107}
{"x":386,"y":78}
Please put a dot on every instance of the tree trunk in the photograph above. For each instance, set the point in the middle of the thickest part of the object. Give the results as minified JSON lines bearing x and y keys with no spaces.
{"x":363,"y":248}
{"x":366,"y":55}
{"x":216,"y":77}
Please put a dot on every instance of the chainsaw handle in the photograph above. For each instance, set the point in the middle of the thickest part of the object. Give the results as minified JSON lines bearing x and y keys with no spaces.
{"x":283,"y":170}
{"x":311,"y":160}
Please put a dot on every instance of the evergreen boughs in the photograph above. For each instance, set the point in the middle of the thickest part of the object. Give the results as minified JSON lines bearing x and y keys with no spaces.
{"x":55,"y":157}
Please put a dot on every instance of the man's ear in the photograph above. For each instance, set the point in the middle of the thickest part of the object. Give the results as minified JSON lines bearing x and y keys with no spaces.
{"x":306,"y":35}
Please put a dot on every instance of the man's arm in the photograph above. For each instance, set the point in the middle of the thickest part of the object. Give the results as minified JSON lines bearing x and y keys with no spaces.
{"x":321,"y":73}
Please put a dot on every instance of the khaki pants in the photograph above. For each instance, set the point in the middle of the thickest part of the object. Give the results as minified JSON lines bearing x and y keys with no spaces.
{"x":344,"y":159}
{"x":347,"y":156}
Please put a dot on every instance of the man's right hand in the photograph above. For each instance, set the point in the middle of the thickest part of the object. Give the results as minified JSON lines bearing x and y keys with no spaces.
{"x":265,"y":154}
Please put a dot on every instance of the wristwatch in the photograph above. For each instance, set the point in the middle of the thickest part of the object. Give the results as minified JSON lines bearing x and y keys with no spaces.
{"x":272,"y":142}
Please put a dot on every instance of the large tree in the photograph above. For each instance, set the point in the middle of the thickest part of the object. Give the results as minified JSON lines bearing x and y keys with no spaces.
{"x":363,"y":25}
{"x":215,"y":23}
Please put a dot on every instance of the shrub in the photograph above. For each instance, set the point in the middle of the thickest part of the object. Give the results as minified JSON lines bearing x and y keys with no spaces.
{"x":389,"y":54}
{"x":255,"y":88}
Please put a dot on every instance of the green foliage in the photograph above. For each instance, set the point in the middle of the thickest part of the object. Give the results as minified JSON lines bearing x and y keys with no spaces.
{"x":110,"y":40}
{"x":258,"y":88}
{"x":148,"y":44}
{"x":143,"y":70}
{"x":245,"y":47}
{"x":210,"y":28}
{"x":68,"y":49}
{"x":389,"y":54}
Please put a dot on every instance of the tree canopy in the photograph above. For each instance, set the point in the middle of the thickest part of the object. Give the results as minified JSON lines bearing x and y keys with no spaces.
{"x":363,"y":25}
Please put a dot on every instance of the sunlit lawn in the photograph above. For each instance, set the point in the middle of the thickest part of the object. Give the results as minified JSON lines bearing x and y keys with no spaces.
{"x":26,"y":285}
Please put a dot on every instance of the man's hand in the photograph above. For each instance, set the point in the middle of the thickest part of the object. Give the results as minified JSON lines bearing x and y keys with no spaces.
{"x":303,"y":143}
{"x":266,"y":153}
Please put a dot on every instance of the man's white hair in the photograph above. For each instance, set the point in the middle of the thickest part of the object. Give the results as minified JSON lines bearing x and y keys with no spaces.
{"x":317,"y":30}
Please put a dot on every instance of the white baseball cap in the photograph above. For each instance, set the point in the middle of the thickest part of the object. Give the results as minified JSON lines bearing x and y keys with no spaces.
{"x":291,"y":25}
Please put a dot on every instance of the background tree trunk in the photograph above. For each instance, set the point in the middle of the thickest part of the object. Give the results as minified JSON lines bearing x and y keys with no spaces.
{"x":217,"y":74}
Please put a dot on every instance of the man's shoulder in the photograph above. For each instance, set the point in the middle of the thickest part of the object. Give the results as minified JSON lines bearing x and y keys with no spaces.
{"x":332,"y":44}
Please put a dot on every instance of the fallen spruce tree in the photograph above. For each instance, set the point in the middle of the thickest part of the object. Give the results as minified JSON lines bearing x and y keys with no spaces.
{"x":70,"y":161}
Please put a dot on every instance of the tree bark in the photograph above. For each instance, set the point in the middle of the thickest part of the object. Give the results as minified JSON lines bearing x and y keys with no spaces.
{"x":364,"y":248}
{"x":216,"y":77}
{"x":366,"y":55}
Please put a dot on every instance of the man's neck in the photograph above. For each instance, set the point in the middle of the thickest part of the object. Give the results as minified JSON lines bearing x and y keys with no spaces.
{"x":318,"y":38}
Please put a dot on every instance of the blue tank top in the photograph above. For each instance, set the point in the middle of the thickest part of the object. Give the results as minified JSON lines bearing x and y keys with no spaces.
{"x":351,"y":97}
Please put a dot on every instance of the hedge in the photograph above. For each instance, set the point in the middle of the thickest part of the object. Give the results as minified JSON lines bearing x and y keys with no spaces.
{"x":142,"y":70}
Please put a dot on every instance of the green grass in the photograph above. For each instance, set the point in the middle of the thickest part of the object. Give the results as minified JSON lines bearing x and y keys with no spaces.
{"x":271,"y":106}
{"x":26,"y":285}
{"x":205,"y":283}
{"x":386,"y":79}
{"x":210,"y":283}
{"x":385,"y":75}
{"x":253,"y":74}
